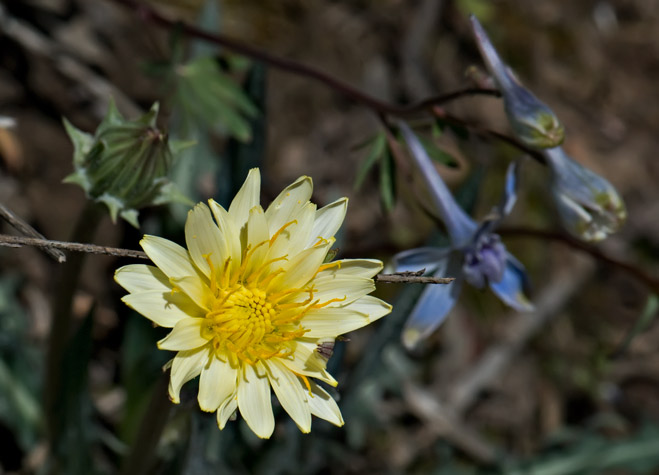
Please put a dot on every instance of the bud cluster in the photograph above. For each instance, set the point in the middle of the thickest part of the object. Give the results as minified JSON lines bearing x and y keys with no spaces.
{"x":589,"y":207}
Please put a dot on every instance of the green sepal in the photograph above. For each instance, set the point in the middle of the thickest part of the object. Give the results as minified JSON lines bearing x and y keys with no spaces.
{"x":82,"y":142}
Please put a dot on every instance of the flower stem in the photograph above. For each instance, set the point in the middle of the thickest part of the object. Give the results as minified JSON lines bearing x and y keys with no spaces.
{"x":142,"y":452}
{"x":60,"y":331}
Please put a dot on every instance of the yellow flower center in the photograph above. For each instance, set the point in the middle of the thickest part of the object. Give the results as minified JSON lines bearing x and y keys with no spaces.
{"x":244,"y":323}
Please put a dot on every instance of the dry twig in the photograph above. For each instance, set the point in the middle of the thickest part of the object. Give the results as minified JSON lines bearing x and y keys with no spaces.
{"x":27,"y":230}
{"x":18,"y":241}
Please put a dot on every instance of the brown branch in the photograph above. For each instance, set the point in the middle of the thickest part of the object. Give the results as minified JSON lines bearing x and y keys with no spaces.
{"x":27,"y":230}
{"x":19,"y":241}
{"x":650,"y":281}
{"x":300,"y":69}
{"x":411,"y":278}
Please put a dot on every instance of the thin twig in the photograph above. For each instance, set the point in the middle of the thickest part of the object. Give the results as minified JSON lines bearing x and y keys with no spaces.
{"x":446,"y":417}
{"x":27,"y":230}
{"x":442,"y":422}
{"x":18,"y":241}
{"x":397,"y":278}
{"x":431,"y":104}
{"x":300,"y":69}
{"x":650,"y":281}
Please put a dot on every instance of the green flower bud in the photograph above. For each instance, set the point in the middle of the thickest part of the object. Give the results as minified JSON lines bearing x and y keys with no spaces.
{"x":588,"y":205}
{"x":124,"y":164}
{"x":532,"y":122}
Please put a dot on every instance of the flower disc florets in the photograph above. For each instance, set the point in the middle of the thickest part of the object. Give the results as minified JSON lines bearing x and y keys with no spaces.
{"x":251,"y":301}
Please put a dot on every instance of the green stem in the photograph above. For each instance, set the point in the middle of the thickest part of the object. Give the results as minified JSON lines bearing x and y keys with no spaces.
{"x":142,"y":452}
{"x":60,"y":331}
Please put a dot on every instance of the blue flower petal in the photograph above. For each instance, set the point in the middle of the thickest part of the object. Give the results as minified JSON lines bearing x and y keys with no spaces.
{"x":428,"y":258}
{"x":459,"y":225}
{"x":510,"y":191}
{"x":510,"y":289}
{"x":503,"y":209}
{"x":435,"y":303}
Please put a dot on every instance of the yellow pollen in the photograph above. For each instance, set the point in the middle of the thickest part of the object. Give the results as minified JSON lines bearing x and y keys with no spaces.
{"x":244,"y":325}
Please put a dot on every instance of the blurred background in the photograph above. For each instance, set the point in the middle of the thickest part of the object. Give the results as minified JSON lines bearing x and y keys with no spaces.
{"x":572,"y":388}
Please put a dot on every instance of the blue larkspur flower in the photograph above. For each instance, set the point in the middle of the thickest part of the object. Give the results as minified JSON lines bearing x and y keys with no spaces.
{"x":476,"y":254}
{"x":532,"y":121}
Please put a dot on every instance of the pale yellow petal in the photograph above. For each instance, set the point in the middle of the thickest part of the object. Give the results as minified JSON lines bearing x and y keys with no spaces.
{"x":290,"y":393}
{"x":333,"y":321}
{"x":204,"y":239}
{"x":324,"y":406}
{"x":142,"y":278}
{"x":258,"y":238}
{"x":328,"y":220}
{"x":218,"y":382}
{"x":342,"y":290}
{"x":186,"y":335}
{"x":246,"y":198}
{"x":306,"y":361}
{"x":352,"y":267}
{"x":170,"y":258}
{"x":165,"y":309}
{"x":226,"y":410}
{"x":285,"y":207}
{"x":185,"y":366}
{"x":175,"y":262}
{"x":254,"y":400}
{"x":194,"y":288}
{"x":229,"y":231}
{"x":293,"y":239}
{"x":301,"y":268}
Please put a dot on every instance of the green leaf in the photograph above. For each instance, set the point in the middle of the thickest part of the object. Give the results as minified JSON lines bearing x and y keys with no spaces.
{"x":141,"y":364}
{"x":591,"y":454}
{"x":378,"y":146}
{"x":645,"y":319}
{"x":74,"y":419}
{"x":19,"y":409}
{"x":246,"y":155}
{"x":208,"y":97}
{"x":387,"y":181}
{"x":437,"y":154}
{"x":20,"y":371}
{"x":459,"y":130}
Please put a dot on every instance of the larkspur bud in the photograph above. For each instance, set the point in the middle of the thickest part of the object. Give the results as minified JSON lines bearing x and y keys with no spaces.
{"x":532,"y":121}
{"x":124,"y":165}
{"x":588,"y":205}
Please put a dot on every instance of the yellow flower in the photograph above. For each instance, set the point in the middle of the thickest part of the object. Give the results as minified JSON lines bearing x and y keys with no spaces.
{"x":252,"y":305}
